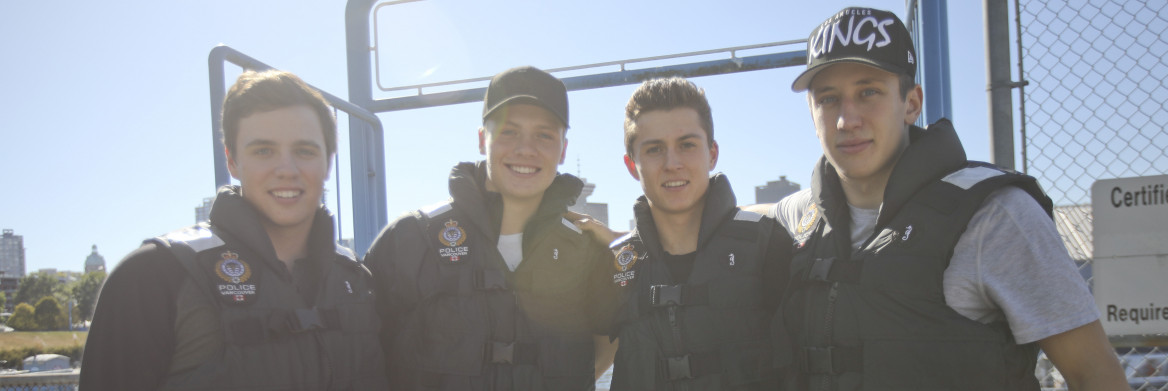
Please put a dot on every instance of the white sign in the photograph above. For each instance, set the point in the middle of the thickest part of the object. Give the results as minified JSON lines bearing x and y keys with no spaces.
{"x":1131,"y":254}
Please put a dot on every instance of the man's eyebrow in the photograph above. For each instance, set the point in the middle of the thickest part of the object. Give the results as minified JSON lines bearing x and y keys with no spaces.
{"x":260,"y":141}
{"x":306,"y":143}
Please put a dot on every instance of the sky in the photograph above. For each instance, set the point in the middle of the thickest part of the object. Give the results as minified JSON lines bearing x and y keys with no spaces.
{"x":106,"y":134}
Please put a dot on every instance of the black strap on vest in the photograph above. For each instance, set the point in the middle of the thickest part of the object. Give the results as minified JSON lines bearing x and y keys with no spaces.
{"x":831,"y":269}
{"x":693,"y":365}
{"x":490,"y":280}
{"x":282,"y":323}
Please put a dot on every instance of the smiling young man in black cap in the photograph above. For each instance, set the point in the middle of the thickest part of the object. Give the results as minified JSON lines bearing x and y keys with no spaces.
{"x":494,"y":289}
{"x":915,"y":268}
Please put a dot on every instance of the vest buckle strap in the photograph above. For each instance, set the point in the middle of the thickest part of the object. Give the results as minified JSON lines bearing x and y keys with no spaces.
{"x":820,"y":269}
{"x":678,"y":295}
{"x":677,"y":367}
{"x":511,"y":353}
{"x":306,"y":319}
{"x":665,"y":295}
{"x":490,"y":279}
{"x":830,"y":360}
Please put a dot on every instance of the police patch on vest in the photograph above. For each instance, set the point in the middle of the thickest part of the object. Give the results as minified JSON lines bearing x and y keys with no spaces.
{"x":625,"y":259}
{"x":452,"y":236}
{"x":808,"y":219}
{"x":236,"y":273}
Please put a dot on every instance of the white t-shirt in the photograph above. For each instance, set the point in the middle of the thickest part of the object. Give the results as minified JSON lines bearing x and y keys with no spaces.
{"x":1009,"y":264}
{"x":511,"y":247}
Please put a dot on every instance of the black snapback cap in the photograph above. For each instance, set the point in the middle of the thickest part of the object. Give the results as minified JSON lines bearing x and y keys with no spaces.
{"x":859,"y":35}
{"x":527,"y":84}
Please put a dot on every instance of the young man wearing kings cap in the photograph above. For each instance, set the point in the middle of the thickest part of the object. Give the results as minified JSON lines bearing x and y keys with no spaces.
{"x":915,"y":268}
{"x":261,"y":297}
{"x":494,"y":288}
{"x":700,"y":279}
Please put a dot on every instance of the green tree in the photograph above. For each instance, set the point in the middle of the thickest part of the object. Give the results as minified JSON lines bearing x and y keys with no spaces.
{"x":49,"y":314}
{"x":34,"y":286}
{"x":85,"y":292}
{"x":23,"y":318}
{"x":3,"y":301}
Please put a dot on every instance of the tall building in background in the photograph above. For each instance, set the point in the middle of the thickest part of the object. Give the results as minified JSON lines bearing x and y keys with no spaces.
{"x":598,"y":211}
{"x":94,"y":261}
{"x":11,"y":254}
{"x":774,"y":191}
{"x":203,"y":213}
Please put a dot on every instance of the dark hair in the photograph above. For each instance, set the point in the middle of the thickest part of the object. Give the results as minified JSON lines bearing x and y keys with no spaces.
{"x":666,"y":94}
{"x":907,"y":82}
{"x":258,"y":92}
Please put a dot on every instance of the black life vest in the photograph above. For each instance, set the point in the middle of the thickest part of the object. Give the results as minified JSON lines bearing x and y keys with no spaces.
{"x":476,"y":325}
{"x":876,"y":318}
{"x":272,"y":339}
{"x":710,"y":332}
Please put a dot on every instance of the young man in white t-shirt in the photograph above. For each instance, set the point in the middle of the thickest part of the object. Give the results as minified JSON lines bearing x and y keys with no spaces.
{"x":915,"y":268}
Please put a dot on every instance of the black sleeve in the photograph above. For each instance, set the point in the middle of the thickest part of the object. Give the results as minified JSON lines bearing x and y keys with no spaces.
{"x":393,"y":259}
{"x":131,"y":341}
{"x":777,"y":268}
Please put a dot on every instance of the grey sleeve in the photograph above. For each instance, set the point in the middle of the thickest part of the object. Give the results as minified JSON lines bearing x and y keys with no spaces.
{"x":1011,"y":264}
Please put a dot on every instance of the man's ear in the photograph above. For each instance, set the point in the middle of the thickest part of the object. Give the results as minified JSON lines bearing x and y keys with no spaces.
{"x":564,"y":151}
{"x":632,"y":166}
{"x":482,"y":140}
{"x":230,"y":163}
{"x":713,"y":155}
{"x":912,"y":105}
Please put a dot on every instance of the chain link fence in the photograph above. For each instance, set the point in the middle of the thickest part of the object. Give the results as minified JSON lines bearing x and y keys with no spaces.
{"x":1095,"y":108}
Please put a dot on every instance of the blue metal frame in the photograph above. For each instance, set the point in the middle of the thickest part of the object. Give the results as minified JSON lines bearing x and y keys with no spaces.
{"x":934,"y":45}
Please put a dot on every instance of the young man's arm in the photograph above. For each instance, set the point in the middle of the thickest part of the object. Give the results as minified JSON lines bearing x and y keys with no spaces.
{"x":1085,"y":358}
{"x":132,"y":341}
{"x":605,"y":353}
{"x":1013,"y":251}
{"x":601,"y":233}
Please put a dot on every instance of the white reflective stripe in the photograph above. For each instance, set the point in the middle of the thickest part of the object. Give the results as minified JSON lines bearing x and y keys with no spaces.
{"x":967,"y":177}
{"x":437,"y":209}
{"x":199,"y":238}
{"x":746,"y":215}
{"x":570,"y":225}
{"x":621,"y":239}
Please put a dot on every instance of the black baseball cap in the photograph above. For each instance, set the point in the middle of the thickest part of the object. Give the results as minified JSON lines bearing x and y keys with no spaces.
{"x":859,"y":35}
{"x":530,"y":85}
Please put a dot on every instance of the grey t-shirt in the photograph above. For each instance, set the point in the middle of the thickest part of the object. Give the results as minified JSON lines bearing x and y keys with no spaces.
{"x":1009,"y":264}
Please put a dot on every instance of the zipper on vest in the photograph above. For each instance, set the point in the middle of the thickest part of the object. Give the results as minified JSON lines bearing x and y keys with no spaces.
{"x":828,"y":318}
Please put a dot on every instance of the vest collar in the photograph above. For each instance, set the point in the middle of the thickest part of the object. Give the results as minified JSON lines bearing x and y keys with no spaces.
{"x":931,"y":154}
{"x":720,"y":204}
{"x":468,"y":187}
{"x":232,"y":216}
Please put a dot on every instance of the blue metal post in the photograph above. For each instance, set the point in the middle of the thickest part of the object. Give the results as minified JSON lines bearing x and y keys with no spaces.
{"x":218,"y":91}
{"x":366,"y":144}
{"x":935,"y":60}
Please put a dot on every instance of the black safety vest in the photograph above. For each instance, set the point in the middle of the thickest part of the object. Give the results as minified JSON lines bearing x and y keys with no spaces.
{"x":876,"y":318}
{"x":272,"y":340}
{"x":708,"y":333}
{"x":476,"y":325}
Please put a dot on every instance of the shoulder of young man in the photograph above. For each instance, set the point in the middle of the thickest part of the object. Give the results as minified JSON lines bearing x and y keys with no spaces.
{"x":402,"y":237}
{"x":149,"y":267}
